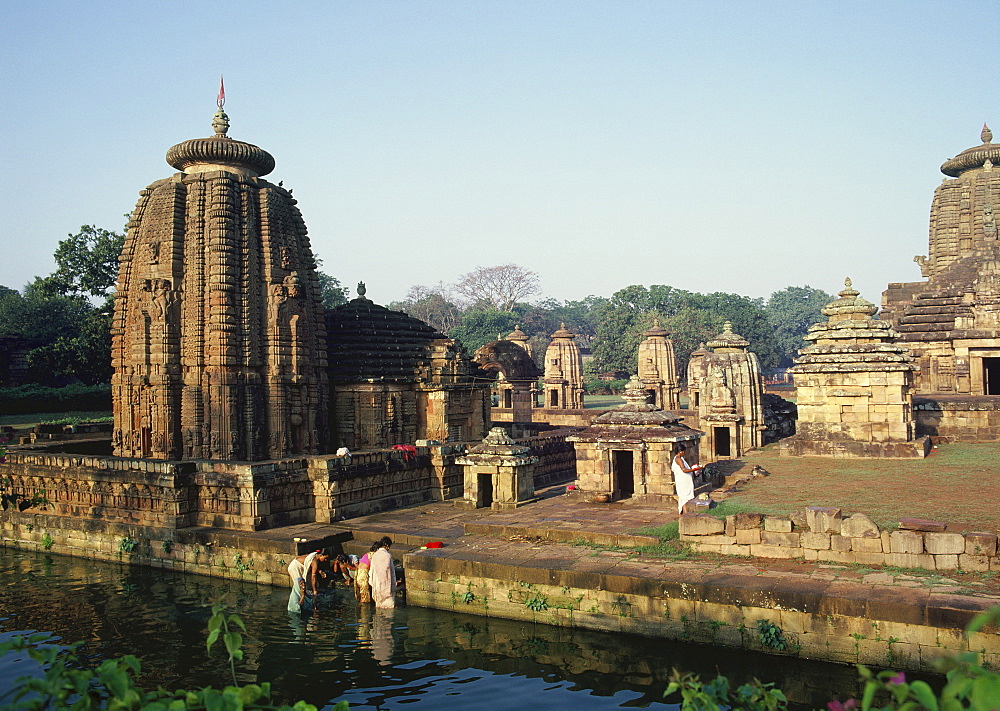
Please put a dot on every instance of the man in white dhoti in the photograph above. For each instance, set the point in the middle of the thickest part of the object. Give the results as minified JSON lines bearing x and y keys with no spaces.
{"x":382,"y":575}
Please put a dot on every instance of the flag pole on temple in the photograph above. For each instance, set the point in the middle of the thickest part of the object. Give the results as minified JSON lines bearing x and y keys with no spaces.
{"x":221,"y":101}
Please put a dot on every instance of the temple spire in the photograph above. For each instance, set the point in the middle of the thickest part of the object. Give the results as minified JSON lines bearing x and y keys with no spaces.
{"x":220,"y":122}
{"x":987,"y":134}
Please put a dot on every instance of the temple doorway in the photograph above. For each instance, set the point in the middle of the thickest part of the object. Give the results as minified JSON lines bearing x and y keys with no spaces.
{"x":486,"y":489}
{"x":622,"y":467}
{"x":991,"y":376}
{"x":723,"y":442}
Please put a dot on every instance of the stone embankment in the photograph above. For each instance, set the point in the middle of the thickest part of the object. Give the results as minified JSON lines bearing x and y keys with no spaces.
{"x":823,"y":534}
{"x":571,"y":563}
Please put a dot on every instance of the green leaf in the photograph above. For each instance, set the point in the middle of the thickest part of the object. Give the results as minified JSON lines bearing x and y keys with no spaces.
{"x":212,"y":637}
{"x":213,"y":700}
{"x":869,"y":695}
{"x":925,"y":695}
{"x":214,"y":623}
{"x":986,"y":692}
{"x":235,"y":620}
{"x":233,"y":640}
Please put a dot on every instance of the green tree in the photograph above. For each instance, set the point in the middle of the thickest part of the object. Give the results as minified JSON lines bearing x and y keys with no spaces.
{"x":791,"y":312}
{"x":691,"y":318}
{"x":87,"y":263}
{"x":66,"y":336}
{"x":331,"y":290}
{"x":482,"y":326}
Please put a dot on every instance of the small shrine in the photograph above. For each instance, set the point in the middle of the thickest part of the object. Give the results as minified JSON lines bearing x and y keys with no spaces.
{"x":563,"y":382}
{"x":499,"y":473}
{"x":515,"y":376}
{"x":658,"y":368}
{"x":854,"y":387}
{"x":625,"y":453}
{"x":725,"y":388}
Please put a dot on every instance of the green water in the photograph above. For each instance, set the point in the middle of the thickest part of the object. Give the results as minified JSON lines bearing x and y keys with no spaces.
{"x":412,"y":656}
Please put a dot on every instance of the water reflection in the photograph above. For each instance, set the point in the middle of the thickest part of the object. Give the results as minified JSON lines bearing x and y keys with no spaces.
{"x":372,"y":658}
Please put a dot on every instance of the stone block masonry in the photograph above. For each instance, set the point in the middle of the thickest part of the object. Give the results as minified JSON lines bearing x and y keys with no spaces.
{"x":221,"y":554}
{"x":833,"y":620}
{"x":859,"y":540}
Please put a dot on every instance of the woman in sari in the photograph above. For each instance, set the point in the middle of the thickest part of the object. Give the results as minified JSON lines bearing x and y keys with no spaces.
{"x":363,"y":588}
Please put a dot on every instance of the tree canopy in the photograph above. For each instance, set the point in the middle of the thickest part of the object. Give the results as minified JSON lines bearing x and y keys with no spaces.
{"x":690,"y":318}
{"x":791,"y":312}
{"x":87,"y":263}
{"x":499,"y":288}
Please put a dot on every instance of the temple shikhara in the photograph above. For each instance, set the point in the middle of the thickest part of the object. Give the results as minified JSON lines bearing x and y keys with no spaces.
{"x":951,"y":321}
{"x":219,"y":342}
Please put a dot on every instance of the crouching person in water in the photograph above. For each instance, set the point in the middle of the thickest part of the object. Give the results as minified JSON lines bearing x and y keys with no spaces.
{"x":362,"y":581}
{"x":382,"y":575}
{"x":304,"y":571}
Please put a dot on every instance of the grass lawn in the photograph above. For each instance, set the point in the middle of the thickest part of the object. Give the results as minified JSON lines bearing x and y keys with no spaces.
{"x":33,"y":418}
{"x":958,"y":484}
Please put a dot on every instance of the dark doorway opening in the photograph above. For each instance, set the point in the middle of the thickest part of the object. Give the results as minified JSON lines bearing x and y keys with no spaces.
{"x":508,"y":398}
{"x":486,"y":490}
{"x":624,"y":474}
{"x":723,"y":443}
{"x":553,"y":398}
{"x":991,"y":376}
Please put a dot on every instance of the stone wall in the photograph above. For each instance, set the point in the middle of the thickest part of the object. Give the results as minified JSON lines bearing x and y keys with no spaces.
{"x":556,"y":457}
{"x":823,"y":534}
{"x":840,"y":622}
{"x":229,"y":495}
{"x":556,"y":418}
{"x":235,"y":555}
{"x":958,"y":418}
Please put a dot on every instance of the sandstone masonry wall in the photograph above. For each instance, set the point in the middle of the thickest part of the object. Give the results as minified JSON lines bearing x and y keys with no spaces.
{"x":823,"y":534}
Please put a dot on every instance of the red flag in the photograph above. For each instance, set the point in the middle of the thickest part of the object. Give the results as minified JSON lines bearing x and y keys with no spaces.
{"x":222,"y":93}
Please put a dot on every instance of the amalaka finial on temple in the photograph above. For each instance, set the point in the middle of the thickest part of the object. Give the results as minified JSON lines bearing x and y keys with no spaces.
{"x":220,"y":122}
{"x":987,"y":134}
{"x":849,"y":290}
{"x":727,"y":327}
{"x":362,"y":289}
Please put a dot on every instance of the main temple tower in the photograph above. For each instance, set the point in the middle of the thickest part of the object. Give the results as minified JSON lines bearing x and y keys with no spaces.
{"x":951,"y":321}
{"x":218,"y":341}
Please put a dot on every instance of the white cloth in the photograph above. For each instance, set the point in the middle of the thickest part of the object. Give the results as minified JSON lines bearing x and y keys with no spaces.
{"x":297,"y":571}
{"x":683,"y":482}
{"x":382,"y":577}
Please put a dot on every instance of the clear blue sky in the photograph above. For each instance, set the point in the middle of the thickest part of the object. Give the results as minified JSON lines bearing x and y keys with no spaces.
{"x":712,"y":146}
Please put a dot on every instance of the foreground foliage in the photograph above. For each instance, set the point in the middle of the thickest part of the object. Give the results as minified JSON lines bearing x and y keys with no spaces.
{"x":68,"y":684}
{"x":968,"y":685}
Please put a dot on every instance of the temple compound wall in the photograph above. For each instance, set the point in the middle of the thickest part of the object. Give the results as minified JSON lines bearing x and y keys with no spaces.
{"x":235,"y":496}
{"x":725,"y":389}
{"x":951,"y":321}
